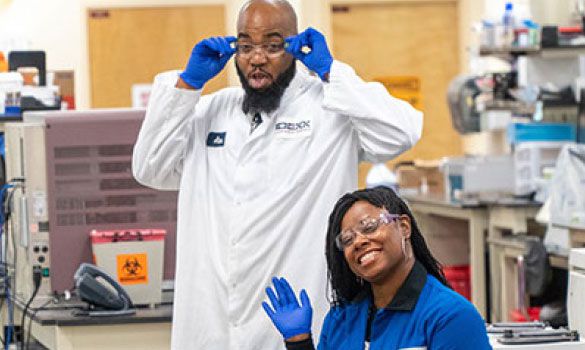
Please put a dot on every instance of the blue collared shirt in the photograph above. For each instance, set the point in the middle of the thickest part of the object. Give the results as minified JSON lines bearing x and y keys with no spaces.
{"x":424,"y":314}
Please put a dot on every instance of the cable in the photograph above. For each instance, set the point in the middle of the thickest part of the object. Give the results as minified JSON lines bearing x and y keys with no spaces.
{"x":1,"y":299}
{"x":5,"y":216}
{"x":6,"y":211}
{"x":42,"y":307}
{"x":37,"y":277}
{"x":10,"y":285}
{"x":10,"y":319}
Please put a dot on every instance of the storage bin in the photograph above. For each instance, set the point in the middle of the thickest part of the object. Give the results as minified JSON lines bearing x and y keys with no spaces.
{"x":134,"y":258}
{"x":459,"y":277}
{"x":522,"y":132}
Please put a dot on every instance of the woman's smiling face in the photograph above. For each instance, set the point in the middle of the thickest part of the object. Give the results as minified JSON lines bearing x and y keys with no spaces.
{"x":376,"y":255}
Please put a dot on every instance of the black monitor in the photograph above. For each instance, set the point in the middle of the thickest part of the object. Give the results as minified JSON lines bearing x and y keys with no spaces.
{"x":17,"y":59}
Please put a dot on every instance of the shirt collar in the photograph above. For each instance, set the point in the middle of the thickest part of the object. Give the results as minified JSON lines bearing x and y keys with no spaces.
{"x":408,"y":293}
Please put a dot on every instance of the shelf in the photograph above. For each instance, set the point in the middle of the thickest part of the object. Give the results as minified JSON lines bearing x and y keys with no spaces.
{"x":499,"y":51}
{"x":549,"y":52}
{"x":514,"y":106}
{"x":10,"y":117}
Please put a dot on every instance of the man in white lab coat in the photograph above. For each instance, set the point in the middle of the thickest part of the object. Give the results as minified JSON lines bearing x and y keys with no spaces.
{"x":258,"y":169}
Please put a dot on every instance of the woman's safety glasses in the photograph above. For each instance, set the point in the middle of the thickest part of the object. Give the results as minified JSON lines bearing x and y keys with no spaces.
{"x":367,"y":227}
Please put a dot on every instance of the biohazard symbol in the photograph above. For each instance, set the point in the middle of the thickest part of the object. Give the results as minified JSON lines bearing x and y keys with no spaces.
{"x":132,"y":268}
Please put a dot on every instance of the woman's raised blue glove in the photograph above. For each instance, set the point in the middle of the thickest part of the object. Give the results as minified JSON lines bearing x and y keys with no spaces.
{"x":207,"y":59}
{"x":319,"y":59}
{"x":288,"y":316}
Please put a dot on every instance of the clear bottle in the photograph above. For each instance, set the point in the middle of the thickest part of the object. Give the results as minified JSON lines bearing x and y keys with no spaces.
{"x":509,"y":22}
{"x":10,"y":89}
{"x":508,"y":18}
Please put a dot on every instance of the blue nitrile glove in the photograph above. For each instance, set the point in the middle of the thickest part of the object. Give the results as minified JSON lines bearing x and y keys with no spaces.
{"x":207,"y":59}
{"x":288,"y":316}
{"x":319,"y":59}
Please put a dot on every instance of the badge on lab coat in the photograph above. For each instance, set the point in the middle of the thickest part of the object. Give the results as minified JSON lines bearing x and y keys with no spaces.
{"x":216,"y":139}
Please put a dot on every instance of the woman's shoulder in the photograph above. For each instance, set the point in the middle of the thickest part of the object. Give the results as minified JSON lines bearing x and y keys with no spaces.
{"x":442,"y":301}
{"x":344,"y":311}
{"x":448,"y":315}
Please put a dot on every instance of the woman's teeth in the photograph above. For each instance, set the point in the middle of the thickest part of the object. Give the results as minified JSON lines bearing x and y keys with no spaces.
{"x":367,"y":257}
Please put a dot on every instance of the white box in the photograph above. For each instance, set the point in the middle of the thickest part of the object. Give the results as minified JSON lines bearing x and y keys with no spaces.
{"x":530,"y":160}
{"x":495,"y":119}
{"x":472,"y":176}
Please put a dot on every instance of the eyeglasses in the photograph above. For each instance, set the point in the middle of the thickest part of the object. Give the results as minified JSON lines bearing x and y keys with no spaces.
{"x":270,"y":49}
{"x":367,"y":227}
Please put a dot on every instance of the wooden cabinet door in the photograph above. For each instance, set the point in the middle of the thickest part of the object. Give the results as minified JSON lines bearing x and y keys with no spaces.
{"x":131,"y":45}
{"x":406,"y":39}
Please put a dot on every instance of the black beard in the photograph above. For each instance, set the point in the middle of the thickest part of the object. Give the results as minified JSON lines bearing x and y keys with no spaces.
{"x":267,"y":99}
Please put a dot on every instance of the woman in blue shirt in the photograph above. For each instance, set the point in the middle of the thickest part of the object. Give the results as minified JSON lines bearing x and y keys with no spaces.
{"x":388,"y":291}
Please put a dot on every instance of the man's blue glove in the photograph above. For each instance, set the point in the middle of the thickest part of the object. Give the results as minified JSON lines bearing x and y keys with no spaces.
{"x":288,"y":316}
{"x":207,"y":59}
{"x":319,"y":59}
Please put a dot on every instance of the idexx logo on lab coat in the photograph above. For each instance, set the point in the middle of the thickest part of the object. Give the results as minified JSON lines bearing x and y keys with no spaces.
{"x":292,"y":128}
{"x":216,"y":139}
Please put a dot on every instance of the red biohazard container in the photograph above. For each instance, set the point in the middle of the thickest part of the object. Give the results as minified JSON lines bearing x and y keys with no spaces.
{"x":459,"y":277}
{"x":134,"y":258}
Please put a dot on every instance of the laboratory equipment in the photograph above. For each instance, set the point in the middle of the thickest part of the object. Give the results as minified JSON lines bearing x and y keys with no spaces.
{"x":75,"y":171}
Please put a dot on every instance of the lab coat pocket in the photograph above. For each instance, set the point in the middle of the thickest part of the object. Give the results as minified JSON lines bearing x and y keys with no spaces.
{"x":218,"y":152}
{"x":290,"y":155}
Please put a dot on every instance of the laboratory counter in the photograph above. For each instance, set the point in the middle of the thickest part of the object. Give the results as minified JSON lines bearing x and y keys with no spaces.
{"x":67,"y":317}
{"x":59,"y":328}
{"x":457,"y":232}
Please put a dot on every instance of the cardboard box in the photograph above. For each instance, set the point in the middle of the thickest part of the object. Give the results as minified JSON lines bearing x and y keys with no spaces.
{"x":431,"y":176}
{"x":407,"y":176}
{"x":423,"y":176}
{"x":65,"y":79}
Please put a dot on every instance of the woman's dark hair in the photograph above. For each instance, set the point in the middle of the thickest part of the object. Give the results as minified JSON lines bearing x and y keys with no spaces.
{"x":344,"y":283}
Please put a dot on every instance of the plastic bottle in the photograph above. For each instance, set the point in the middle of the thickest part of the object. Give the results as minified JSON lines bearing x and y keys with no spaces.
{"x":533,"y":32}
{"x":10,"y":89}
{"x":509,"y":21}
{"x":508,"y":18}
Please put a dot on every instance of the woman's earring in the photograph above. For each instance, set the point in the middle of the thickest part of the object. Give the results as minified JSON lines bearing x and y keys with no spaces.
{"x":403,"y":246}
{"x":359,"y":280}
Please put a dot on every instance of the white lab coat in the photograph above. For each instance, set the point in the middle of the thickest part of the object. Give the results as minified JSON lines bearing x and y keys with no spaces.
{"x":253,"y":206}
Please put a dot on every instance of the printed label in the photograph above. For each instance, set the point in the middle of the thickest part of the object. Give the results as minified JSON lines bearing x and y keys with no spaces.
{"x":292,"y":128}
{"x":132,"y":268}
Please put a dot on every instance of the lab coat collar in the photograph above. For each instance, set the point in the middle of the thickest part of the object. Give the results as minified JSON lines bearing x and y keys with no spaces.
{"x":296,"y":86}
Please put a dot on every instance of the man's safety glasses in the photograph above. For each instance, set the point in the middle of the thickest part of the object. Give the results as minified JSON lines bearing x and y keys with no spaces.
{"x":270,"y":49}
{"x":367,"y":227}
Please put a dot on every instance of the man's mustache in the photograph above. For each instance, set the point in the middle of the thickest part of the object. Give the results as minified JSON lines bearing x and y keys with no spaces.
{"x":260,"y":70}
